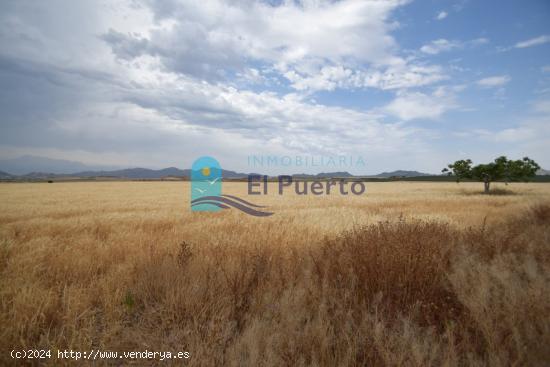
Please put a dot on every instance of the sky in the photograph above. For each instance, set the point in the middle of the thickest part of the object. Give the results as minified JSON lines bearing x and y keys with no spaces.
{"x":402,"y":84}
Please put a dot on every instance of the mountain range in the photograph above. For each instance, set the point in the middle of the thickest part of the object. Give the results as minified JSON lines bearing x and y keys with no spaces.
{"x":4,"y":175}
{"x":33,"y":167}
{"x":29,"y":163}
{"x":401,"y":173}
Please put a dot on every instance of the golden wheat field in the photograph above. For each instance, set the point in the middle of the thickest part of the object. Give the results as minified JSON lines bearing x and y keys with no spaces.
{"x":409,"y":274}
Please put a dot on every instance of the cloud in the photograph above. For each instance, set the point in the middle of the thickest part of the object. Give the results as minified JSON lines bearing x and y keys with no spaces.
{"x":311,"y":45}
{"x":528,"y":136}
{"x":289,"y":33}
{"x":533,"y":41}
{"x":148,"y":116}
{"x":440,"y":45}
{"x":395,"y":77}
{"x":126,"y":46}
{"x":479,"y":41}
{"x":287,"y":121}
{"x":163,"y":82}
{"x":493,"y":81}
{"x":143,"y":114}
{"x":508,"y":135}
{"x":441,"y":15}
{"x":542,"y":106}
{"x":416,"y":105}
{"x":211,"y":40}
{"x":545,"y":69}
{"x":139,"y":82}
{"x":252,"y":76}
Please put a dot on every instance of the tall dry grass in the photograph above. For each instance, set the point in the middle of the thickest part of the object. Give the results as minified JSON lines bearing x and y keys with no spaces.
{"x":453,"y":278}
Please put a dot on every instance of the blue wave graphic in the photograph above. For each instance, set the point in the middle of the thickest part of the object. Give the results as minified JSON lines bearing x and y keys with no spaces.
{"x":226,"y":201}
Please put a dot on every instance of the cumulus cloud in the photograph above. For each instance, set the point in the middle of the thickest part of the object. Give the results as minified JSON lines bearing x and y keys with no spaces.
{"x":287,"y":33}
{"x":399,"y":76}
{"x":494,"y":81}
{"x":312,"y":45}
{"x":203,"y":39}
{"x":126,"y":88}
{"x":160,"y":82}
{"x":126,"y":46}
{"x":286,"y":121}
{"x":417,"y":105}
{"x":530,"y":137}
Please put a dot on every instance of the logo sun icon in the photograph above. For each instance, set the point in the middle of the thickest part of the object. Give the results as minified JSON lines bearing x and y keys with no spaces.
{"x":206,"y":171}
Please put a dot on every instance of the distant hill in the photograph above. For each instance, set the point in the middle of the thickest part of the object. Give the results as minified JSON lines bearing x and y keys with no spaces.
{"x":4,"y":175}
{"x":233,"y":174}
{"x":152,"y":174}
{"x":135,"y":173}
{"x":542,"y":172}
{"x":30,"y":164}
{"x":323,"y":175}
{"x":401,"y":173}
{"x":33,"y":167}
{"x":132,"y":173}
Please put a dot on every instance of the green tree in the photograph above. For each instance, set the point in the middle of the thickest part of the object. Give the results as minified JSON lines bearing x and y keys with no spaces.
{"x":461,"y":169}
{"x":500,"y":169}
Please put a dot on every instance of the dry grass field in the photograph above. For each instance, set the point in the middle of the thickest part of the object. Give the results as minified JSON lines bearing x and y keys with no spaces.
{"x":410,"y":274}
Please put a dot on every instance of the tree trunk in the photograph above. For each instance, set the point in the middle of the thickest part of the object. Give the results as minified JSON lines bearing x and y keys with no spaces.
{"x":486,"y":186}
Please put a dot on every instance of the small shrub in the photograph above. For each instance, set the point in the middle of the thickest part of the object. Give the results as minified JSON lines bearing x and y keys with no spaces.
{"x":129,"y":300}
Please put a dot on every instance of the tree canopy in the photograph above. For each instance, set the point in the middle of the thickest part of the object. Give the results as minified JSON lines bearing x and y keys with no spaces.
{"x":500,"y":169}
